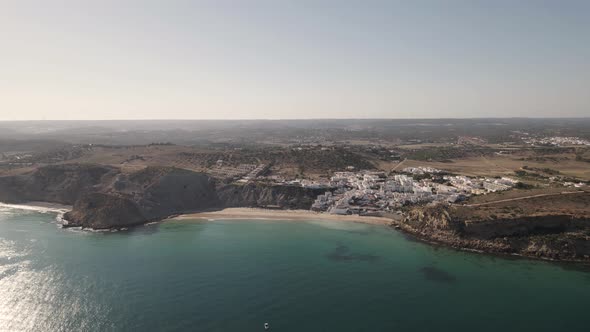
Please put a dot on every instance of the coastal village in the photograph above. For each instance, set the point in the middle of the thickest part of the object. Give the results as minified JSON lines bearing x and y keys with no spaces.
{"x":367,"y":192}
{"x":556,"y":141}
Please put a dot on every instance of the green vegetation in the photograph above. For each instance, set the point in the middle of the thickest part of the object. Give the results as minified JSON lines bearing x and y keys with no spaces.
{"x":522,"y":185}
{"x":545,"y":170}
{"x":550,"y":171}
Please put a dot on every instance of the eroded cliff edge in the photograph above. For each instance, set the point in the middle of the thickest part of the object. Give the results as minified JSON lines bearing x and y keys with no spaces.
{"x":554,"y":230}
{"x":106,"y":197}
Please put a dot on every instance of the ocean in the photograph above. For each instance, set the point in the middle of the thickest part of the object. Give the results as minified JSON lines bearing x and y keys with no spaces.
{"x":235,"y":275}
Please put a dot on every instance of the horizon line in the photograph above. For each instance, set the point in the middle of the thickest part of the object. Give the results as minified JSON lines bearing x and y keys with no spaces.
{"x":298,"y":119}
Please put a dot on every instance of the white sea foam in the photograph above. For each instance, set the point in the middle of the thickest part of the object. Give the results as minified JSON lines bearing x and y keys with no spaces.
{"x":75,"y":229}
{"x":92,"y":230}
{"x":38,"y":207}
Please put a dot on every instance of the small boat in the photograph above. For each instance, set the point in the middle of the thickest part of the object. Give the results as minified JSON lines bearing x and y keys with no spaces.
{"x":266,"y":326}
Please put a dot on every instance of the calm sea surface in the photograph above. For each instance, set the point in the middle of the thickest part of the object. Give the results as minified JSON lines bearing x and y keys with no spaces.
{"x":298,"y":276}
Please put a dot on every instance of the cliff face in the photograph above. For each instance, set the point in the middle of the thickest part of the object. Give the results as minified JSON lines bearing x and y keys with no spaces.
{"x":100,"y":210}
{"x":105,"y":197}
{"x":431,"y":219}
{"x":56,"y":183}
{"x":149,"y":194}
{"x":550,"y":236}
{"x":261,"y":195}
{"x":525,"y":226}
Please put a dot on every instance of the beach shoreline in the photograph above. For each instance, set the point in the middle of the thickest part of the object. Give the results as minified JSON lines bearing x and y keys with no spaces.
{"x":302,"y":215}
{"x":258,"y":213}
{"x":38,"y":206}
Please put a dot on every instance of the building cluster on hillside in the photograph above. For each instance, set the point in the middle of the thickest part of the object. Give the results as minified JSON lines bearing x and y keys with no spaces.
{"x":16,"y":160}
{"x":470,"y":140}
{"x":421,"y":170}
{"x":573,"y":184}
{"x":567,"y":182}
{"x":557,"y":141}
{"x":366,"y":192}
{"x":363,"y":192}
{"x":243,"y":172}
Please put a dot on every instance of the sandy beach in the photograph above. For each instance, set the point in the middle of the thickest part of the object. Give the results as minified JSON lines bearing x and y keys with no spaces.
{"x":256,"y":213}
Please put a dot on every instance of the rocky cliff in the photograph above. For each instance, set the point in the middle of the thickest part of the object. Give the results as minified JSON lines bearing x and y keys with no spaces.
{"x":99,"y":211}
{"x":548,"y":235}
{"x":106,"y":197}
{"x":265,"y":195}
{"x":150,"y":194}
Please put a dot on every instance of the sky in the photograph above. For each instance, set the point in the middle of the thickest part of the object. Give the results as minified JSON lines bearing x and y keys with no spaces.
{"x":300,"y":59}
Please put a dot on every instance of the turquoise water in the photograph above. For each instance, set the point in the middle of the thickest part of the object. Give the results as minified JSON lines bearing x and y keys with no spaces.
{"x":298,"y":276}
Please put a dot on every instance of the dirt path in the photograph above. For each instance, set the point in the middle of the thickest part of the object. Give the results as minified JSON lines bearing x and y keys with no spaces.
{"x":399,"y":164}
{"x":525,"y":197}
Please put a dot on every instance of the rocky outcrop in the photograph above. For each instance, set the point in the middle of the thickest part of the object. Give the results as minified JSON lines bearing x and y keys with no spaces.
{"x":100,"y":211}
{"x":149,"y":194}
{"x":435,"y":218}
{"x":105,"y":197}
{"x":548,"y":236}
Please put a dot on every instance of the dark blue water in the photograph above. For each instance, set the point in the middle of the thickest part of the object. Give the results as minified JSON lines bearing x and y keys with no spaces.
{"x":298,"y":276}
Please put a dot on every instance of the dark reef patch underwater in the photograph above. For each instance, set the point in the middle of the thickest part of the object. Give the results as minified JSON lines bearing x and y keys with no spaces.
{"x":436,"y":274}
{"x":343,"y":253}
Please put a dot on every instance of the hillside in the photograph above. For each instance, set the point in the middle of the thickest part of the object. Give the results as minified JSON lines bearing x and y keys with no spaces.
{"x":106,"y":197}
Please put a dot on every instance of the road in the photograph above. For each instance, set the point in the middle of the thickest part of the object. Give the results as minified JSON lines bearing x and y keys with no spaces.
{"x":398,"y":164}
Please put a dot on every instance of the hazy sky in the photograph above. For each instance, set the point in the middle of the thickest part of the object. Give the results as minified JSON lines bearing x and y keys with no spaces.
{"x":293,"y":59}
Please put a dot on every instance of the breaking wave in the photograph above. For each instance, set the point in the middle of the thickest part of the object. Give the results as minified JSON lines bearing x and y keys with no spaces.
{"x":59,"y":210}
